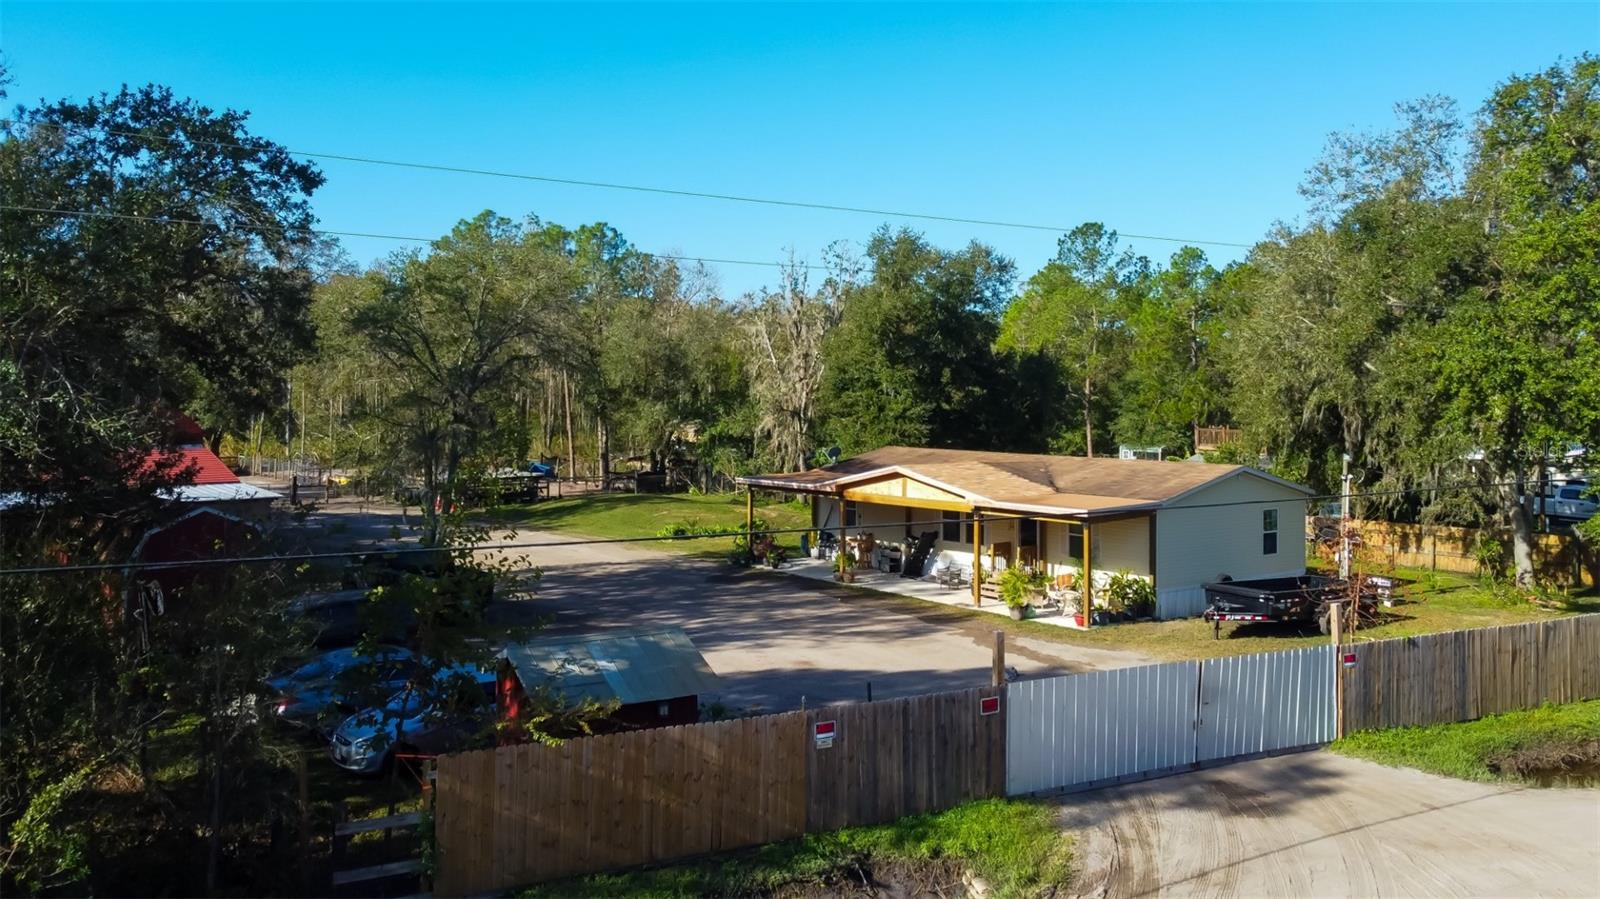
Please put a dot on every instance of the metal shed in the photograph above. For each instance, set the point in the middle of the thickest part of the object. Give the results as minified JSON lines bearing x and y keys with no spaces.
{"x":656,"y":677}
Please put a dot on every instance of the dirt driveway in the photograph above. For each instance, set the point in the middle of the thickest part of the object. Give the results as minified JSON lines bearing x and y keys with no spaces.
{"x":776,"y":641}
{"x":1318,"y":824}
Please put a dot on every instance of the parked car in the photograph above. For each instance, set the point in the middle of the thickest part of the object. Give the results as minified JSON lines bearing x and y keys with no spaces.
{"x":1568,"y":503}
{"x":325,"y":689}
{"x":460,"y":709}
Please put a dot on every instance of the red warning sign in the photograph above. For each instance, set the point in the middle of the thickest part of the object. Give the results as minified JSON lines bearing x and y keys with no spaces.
{"x":989,"y":705}
{"x":1349,"y":660}
{"x":824,"y":732}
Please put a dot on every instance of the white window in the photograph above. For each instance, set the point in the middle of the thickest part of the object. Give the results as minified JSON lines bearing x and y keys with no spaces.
{"x":1269,"y":532}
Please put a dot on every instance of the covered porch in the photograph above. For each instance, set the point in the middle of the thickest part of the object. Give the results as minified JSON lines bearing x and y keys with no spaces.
{"x":927,"y":589}
{"x":914,"y":538}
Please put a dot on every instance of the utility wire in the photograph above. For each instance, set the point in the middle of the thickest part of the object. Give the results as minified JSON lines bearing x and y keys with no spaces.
{"x":598,"y":541}
{"x":675,"y":192}
{"x":167,"y":220}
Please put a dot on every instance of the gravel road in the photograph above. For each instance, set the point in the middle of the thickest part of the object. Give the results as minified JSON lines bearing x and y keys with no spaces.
{"x":1318,"y":824}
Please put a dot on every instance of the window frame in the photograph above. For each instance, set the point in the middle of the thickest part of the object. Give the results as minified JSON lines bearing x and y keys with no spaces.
{"x":950,"y":521}
{"x":1269,"y":532}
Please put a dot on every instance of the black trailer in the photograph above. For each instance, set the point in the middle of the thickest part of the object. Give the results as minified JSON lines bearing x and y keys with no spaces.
{"x":1284,"y":599}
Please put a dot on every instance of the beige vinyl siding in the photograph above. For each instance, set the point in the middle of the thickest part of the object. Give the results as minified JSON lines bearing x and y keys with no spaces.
{"x":1195,"y":545}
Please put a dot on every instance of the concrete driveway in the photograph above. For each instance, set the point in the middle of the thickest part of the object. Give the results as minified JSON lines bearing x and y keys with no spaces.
{"x":1319,"y":824}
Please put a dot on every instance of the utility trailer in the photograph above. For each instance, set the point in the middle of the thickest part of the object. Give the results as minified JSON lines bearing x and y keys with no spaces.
{"x":1283,"y":599}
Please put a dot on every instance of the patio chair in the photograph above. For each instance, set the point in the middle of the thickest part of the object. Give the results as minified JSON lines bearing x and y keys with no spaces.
{"x":951,"y":576}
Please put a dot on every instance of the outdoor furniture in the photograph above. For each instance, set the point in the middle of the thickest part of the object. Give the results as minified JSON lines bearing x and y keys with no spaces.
{"x":1063,"y":592}
{"x":951,"y":576}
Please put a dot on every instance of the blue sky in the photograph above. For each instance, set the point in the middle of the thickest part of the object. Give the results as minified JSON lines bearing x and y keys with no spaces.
{"x":1189,"y":120}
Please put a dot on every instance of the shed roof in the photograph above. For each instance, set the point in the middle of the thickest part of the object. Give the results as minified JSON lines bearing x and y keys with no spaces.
{"x":1066,"y":485}
{"x":628,"y":666}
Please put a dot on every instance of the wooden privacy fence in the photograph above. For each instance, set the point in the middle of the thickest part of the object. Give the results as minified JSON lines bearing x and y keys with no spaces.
{"x":1440,"y":548}
{"x":1462,"y":675}
{"x":522,"y":814}
{"x":904,"y":757}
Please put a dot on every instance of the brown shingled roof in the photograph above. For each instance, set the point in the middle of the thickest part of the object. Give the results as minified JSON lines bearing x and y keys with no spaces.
{"x":1025,"y":482}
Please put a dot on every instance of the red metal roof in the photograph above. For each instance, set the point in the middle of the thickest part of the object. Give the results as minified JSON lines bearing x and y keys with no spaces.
{"x":207,"y":468}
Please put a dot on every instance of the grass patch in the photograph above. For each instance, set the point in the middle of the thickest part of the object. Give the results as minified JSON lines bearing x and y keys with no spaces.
{"x":1511,"y":747}
{"x":612,"y":515}
{"x":1014,"y":845}
{"x":1453,"y":603}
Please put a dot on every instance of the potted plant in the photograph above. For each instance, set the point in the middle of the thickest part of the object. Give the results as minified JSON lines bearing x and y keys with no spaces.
{"x":844,"y":567}
{"x":1018,"y":588}
{"x":1129,"y":595}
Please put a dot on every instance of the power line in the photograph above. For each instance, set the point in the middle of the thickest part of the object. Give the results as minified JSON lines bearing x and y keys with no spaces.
{"x":598,"y":541}
{"x":668,"y":191}
{"x":167,"y":220}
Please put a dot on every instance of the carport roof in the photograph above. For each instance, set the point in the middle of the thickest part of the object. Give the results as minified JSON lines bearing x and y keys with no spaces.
{"x":1041,"y":484}
{"x":628,"y":667}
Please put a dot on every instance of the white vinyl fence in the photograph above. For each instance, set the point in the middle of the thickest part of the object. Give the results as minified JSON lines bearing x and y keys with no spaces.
{"x":1082,"y":730}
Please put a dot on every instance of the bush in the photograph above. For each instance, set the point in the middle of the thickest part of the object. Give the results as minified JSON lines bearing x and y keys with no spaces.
{"x":1130,"y":593}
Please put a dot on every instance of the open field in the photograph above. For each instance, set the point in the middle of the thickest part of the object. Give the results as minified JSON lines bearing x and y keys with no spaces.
{"x":1014,"y":846}
{"x":1543,"y":745}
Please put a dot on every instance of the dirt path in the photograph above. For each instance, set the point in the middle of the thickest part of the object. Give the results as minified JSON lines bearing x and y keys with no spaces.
{"x":1318,"y":824}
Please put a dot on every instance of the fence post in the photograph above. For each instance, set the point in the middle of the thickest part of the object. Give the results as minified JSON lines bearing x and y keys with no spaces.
{"x":998,"y":676}
{"x":1336,"y":616}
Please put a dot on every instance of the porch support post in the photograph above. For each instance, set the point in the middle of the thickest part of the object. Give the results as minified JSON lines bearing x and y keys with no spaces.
{"x":1151,"y":524}
{"x":977,"y":557}
{"x":841,"y":501}
{"x":749,"y":518}
{"x":1088,"y":578}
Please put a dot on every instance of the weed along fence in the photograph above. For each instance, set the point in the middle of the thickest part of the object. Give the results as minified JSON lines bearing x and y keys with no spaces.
{"x":522,"y":814}
{"x":1462,"y":675}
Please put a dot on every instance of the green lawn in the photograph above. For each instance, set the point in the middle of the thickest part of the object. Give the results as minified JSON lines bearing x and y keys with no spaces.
{"x":1013,"y":845}
{"x":644,"y":515}
{"x":1452,"y":603}
{"x":1512,"y":747}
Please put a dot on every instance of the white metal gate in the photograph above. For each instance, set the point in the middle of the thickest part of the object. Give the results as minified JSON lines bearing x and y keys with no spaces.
{"x":1083,"y":729}
{"x":1262,"y":703}
{"x":1088,"y":728}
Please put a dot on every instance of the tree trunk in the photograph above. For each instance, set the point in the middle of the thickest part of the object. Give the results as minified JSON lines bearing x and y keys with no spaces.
{"x":1521,"y":531}
{"x":1088,"y":419}
{"x":572,"y":451}
{"x":603,"y":454}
